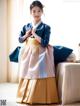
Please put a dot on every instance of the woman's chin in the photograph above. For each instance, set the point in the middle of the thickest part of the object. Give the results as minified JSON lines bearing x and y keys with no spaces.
{"x":37,"y":20}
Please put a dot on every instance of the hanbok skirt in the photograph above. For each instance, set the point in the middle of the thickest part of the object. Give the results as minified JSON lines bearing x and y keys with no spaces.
{"x":37,"y":83}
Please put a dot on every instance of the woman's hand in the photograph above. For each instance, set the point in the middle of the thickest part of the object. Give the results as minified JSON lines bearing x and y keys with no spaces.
{"x":36,"y":36}
{"x":28,"y":33}
{"x":33,"y":32}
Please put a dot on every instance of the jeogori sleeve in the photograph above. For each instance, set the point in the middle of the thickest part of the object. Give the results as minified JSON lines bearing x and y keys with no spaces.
{"x":46,"y":36}
{"x":23,"y":32}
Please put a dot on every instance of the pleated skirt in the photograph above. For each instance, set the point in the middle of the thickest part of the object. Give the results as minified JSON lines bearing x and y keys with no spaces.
{"x":37,"y":91}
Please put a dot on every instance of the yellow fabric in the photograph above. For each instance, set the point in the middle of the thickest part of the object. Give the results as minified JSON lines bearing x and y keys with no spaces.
{"x":42,"y":91}
{"x":32,"y":41}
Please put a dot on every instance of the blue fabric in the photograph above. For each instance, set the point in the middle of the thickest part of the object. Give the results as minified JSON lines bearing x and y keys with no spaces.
{"x":43,"y":30}
{"x":14,"y":55}
{"x":23,"y":31}
{"x":61,"y":53}
{"x":46,"y":36}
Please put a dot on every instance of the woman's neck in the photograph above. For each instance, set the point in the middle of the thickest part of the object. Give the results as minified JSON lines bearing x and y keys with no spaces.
{"x":36,"y":22}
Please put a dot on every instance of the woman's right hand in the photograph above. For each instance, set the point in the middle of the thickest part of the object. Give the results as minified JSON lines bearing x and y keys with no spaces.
{"x":28,"y":33}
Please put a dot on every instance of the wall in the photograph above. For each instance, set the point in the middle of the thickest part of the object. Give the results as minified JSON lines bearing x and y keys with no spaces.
{"x":3,"y":40}
{"x":14,"y":19}
{"x":10,"y":18}
{"x":65,"y":21}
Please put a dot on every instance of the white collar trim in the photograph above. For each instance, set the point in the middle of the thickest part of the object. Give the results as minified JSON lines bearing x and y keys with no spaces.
{"x":35,"y":26}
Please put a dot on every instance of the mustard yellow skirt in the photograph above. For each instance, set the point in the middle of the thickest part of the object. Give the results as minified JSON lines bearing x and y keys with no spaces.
{"x":37,"y":91}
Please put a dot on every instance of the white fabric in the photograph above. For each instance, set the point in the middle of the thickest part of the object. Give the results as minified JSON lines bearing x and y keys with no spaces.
{"x":68,"y":82}
{"x":71,"y":58}
{"x":35,"y":25}
{"x":36,"y":61}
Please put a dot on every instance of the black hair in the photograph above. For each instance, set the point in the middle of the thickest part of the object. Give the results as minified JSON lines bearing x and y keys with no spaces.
{"x":36,"y":3}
